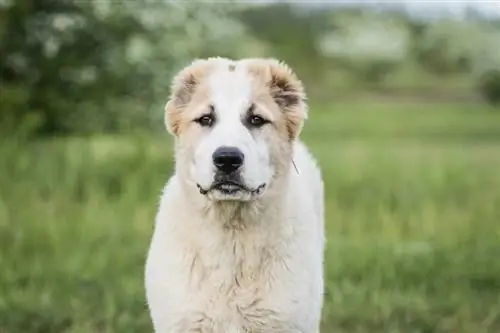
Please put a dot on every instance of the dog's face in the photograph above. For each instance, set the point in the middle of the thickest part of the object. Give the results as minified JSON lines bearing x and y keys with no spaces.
{"x":234,"y":123}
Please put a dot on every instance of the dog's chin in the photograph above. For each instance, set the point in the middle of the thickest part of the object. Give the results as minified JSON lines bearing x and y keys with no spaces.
{"x":231,"y":192}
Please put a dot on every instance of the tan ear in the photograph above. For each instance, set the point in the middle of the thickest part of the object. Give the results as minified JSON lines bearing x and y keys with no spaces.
{"x":183,"y":88}
{"x":172,"y":118}
{"x":286,"y":90}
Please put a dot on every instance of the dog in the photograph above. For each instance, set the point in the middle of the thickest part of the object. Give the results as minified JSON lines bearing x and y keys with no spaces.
{"x":238,"y":243}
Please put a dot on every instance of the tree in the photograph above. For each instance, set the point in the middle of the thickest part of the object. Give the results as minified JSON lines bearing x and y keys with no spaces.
{"x":79,"y":66}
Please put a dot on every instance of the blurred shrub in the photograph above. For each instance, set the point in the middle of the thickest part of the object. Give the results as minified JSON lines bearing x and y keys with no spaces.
{"x":288,"y":33}
{"x":371,"y":45}
{"x":449,"y":46}
{"x":489,"y":86}
{"x":485,"y":61}
{"x":84,"y":66}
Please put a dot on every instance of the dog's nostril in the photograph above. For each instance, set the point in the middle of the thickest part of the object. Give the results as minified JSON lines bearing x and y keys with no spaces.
{"x":228,"y":159}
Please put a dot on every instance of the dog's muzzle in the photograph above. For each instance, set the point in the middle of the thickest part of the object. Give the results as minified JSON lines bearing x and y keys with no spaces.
{"x":228,"y":163}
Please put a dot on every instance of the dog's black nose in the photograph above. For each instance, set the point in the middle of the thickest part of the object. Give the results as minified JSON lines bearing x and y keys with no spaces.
{"x":227,"y":159}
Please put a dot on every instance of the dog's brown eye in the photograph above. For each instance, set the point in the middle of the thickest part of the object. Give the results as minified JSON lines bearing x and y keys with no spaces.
{"x":206,"y":120}
{"x":256,"y":121}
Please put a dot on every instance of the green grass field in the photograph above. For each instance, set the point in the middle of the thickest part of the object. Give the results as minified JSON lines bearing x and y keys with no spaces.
{"x":413,"y":223}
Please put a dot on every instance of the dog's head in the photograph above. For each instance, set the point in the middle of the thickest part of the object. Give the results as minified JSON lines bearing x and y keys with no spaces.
{"x":235,"y":123}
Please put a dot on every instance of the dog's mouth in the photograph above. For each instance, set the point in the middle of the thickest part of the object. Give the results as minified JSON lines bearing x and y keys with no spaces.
{"x":230,"y":188}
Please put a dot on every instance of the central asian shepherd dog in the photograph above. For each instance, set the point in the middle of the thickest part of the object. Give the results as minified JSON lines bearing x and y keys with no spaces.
{"x":238,"y":242}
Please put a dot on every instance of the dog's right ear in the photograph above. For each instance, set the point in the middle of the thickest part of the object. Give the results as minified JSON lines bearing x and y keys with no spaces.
{"x":182,"y":90}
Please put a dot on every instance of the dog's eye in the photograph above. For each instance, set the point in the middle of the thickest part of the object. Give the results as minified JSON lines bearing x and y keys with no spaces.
{"x":256,"y":121}
{"x":206,"y":120}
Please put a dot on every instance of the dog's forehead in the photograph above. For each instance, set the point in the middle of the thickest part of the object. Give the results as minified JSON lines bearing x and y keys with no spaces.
{"x":230,"y":86}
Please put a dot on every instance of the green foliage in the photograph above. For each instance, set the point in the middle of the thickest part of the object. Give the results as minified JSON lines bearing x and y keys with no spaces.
{"x":79,"y":66}
{"x":489,"y":86}
{"x":105,"y":66}
{"x":357,"y":41}
{"x":289,"y":34}
{"x":412,"y":200}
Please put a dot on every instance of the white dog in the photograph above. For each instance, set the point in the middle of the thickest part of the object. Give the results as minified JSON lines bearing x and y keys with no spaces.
{"x":238,"y":243}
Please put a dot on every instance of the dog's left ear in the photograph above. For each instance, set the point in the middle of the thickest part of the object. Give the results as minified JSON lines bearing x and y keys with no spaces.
{"x":288,"y":93}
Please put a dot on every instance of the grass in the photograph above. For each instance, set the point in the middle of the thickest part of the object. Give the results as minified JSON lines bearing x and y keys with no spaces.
{"x":413,"y":223}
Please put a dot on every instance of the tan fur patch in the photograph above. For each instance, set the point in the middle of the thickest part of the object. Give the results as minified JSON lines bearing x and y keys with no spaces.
{"x":285,"y":89}
{"x":185,"y":87}
{"x":232,"y":67}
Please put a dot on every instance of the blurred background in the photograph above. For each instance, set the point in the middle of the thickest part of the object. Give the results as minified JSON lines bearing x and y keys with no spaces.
{"x":405,"y":121}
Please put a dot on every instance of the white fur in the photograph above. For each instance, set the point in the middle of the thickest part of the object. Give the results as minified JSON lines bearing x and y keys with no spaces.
{"x":230,"y":94}
{"x":234,"y":266}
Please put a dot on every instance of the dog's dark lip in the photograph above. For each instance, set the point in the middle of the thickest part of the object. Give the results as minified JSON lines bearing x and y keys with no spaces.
{"x":201,"y":189}
{"x":228,"y":187}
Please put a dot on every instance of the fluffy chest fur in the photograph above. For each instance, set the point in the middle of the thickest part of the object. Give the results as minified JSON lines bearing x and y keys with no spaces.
{"x":233,"y":280}
{"x":217,"y":277}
